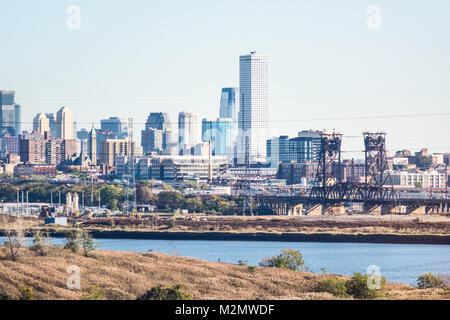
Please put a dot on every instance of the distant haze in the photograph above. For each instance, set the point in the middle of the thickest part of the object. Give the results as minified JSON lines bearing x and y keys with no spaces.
{"x":131,"y":58}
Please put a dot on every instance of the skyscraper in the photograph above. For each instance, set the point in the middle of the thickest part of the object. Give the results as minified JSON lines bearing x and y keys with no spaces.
{"x":52,"y":124}
{"x":159,"y":121}
{"x":10,"y":113}
{"x":151,"y":140}
{"x":228,"y":106}
{"x":64,"y":122}
{"x":115,"y":125}
{"x":187,"y":131}
{"x":254,"y":106}
{"x":220,"y":133}
{"x":41,"y":123}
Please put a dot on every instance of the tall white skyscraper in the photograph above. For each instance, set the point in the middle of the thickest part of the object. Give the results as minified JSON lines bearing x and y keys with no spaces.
{"x":188,"y":134}
{"x":64,"y":123}
{"x":254,"y":107}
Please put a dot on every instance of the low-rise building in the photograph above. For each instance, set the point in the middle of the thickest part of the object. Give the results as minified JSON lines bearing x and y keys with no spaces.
{"x":186,"y":167}
{"x":421,"y":179}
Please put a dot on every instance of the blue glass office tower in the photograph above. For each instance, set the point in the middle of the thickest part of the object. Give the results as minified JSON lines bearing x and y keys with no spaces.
{"x":220,"y":132}
{"x":10,"y":113}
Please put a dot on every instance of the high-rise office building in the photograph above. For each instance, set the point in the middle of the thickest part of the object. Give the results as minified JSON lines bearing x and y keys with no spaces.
{"x":229,"y":110}
{"x":228,"y":104}
{"x":115,"y":125}
{"x":160,"y":121}
{"x":82,"y":142}
{"x":277,"y":150}
{"x":65,"y":124}
{"x":220,"y":133}
{"x":41,"y":123}
{"x":187,"y":131}
{"x":254,"y":107}
{"x":151,"y":140}
{"x":10,"y":113}
{"x":52,"y":123}
{"x":305,"y":147}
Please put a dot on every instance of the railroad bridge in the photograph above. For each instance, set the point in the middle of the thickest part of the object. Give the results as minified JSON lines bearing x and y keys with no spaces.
{"x":301,"y":205}
{"x":330,"y":195}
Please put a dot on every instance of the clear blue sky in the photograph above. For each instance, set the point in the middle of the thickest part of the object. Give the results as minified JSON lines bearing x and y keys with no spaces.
{"x":133,"y":57}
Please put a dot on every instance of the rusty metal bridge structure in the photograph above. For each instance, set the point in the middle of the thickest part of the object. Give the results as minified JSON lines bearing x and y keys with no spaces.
{"x":330,"y":194}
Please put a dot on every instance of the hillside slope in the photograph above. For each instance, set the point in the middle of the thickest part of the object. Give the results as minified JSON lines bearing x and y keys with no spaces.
{"x":127,"y":275}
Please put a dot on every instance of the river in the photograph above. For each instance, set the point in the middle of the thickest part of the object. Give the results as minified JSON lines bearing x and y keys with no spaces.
{"x":397,"y":262}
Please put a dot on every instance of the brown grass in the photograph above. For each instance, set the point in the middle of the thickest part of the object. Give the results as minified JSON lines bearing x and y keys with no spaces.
{"x":123,"y":275}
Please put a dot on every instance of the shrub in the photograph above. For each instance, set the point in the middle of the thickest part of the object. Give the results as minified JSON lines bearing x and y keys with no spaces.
{"x":251,"y":269}
{"x":335,"y":286}
{"x":429,"y":280}
{"x":358,"y":287}
{"x":243,"y":263}
{"x":172,"y":224}
{"x":73,"y":241}
{"x":26,"y":293}
{"x":87,"y":243}
{"x":95,"y":293}
{"x":169,"y":293}
{"x":287,"y":259}
{"x":4,"y":296}
{"x":40,"y":243}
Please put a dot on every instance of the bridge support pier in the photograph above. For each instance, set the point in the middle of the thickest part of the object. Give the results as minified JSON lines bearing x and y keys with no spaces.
{"x":333,"y":210}
{"x":314,"y":210}
{"x":296,"y":210}
{"x":397,"y":210}
{"x":417,"y":210}
{"x":376,"y":210}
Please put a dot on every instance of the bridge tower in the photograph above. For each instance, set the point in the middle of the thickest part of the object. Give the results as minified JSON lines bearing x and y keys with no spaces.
{"x":378,"y":181}
{"x":329,"y":167}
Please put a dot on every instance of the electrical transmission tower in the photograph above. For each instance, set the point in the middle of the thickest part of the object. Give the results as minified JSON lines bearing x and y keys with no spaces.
{"x":247,"y":187}
{"x":378,"y":181}
{"x":131,"y":204}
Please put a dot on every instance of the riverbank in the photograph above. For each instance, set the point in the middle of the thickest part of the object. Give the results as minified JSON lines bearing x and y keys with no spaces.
{"x":291,"y":237}
{"x":341,"y":229}
{"x":125,"y":276}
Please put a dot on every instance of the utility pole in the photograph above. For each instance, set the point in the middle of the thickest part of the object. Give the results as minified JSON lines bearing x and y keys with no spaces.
{"x":92,"y":189}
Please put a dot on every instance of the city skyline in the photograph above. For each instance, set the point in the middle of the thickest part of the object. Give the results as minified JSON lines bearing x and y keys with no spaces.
{"x":401,"y":69}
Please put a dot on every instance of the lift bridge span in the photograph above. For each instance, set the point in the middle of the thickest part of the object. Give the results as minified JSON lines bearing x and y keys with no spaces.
{"x":330,"y":195}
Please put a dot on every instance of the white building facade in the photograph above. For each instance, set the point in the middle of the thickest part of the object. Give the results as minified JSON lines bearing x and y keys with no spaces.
{"x":254,"y":107}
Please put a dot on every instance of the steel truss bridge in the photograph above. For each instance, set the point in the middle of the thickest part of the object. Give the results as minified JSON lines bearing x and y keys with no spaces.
{"x":330,"y":195}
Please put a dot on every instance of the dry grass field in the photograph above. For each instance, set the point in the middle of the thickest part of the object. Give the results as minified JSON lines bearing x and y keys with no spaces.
{"x":124,"y":276}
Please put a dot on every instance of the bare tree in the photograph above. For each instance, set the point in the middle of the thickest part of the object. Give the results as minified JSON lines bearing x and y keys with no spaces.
{"x":14,"y":234}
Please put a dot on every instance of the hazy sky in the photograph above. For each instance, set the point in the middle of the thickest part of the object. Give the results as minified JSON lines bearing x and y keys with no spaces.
{"x":133,"y":57}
